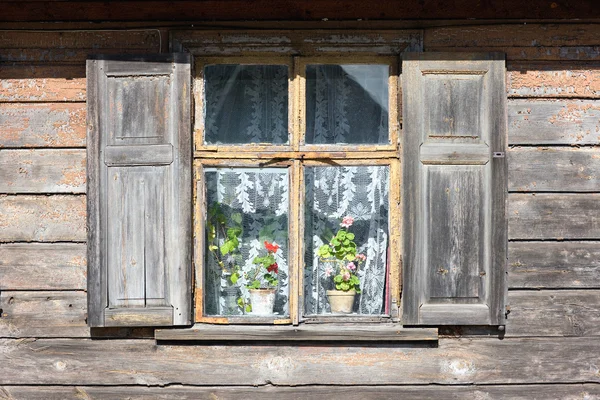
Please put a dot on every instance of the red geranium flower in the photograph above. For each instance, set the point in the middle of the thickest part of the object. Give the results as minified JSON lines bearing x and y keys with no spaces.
{"x":273,"y":268}
{"x":272,"y":248}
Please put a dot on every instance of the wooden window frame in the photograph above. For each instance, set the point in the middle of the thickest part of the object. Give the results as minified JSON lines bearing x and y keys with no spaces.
{"x":296,"y":155}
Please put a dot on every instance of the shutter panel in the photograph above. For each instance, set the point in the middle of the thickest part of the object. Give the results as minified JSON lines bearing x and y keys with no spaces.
{"x":454,"y":189}
{"x":139,"y":191}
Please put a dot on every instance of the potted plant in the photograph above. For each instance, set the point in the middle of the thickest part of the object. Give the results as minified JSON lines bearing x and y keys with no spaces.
{"x":262,"y":282}
{"x":343,"y":262}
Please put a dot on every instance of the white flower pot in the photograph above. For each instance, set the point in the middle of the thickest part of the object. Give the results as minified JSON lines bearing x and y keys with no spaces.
{"x":341,"y":302}
{"x":262,"y":301}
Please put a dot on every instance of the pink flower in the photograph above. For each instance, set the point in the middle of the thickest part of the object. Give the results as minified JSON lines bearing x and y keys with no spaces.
{"x":347,"y":222}
{"x":361,"y":257}
{"x":351,"y":266}
{"x":328,"y":272}
{"x":346,"y":276}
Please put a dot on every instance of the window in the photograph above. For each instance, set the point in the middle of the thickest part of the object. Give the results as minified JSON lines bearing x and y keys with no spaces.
{"x":292,"y":139}
{"x":312,"y":140}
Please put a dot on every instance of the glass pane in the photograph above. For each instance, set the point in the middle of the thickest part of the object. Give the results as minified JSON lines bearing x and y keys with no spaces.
{"x":246,"y":104}
{"x":350,"y":200}
{"x":246,"y":239}
{"x":347,"y":104}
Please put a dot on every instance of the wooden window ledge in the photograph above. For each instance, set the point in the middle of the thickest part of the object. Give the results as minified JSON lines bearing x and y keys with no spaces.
{"x":307,"y":332}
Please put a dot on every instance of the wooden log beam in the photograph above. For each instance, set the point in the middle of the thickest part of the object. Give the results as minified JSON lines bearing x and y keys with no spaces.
{"x":42,"y":83}
{"x":553,"y":122}
{"x":454,"y":361}
{"x":554,"y":169}
{"x":552,"y":80}
{"x":293,"y":10}
{"x":42,"y":266}
{"x":180,"y":392}
{"x":42,"y":171}
{"x":557,"y":265}
{"x":553,"y":216}
{"x":43,"y":314}
{"x":42,"y":218}
{"x":512,"y":35}
{"x":42,"y":125}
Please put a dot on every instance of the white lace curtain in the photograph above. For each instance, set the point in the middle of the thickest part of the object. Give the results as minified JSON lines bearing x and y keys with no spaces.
{"x":331,"y":194}
{"x":260,"y":196}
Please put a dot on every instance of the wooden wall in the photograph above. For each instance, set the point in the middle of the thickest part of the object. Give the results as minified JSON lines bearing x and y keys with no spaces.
{"x":551,"y":347}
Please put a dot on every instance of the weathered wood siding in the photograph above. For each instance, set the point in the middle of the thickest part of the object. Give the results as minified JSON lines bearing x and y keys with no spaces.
{"x":552,"y":340}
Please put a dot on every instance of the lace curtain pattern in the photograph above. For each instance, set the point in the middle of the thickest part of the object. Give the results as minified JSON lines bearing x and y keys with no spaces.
{"x":260,"y":196}
{"x":331,"y":194}
{"x":246,"y":104}
{"x":347,"y":104}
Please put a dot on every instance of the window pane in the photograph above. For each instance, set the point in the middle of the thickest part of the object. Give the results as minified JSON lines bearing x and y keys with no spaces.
{"x":347,"y":104}
{"x":333,"y":193}
{"x":246,"y":104}
{"x":246,"y":207}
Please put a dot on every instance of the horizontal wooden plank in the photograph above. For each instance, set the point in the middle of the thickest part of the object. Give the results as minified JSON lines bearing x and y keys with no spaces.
{"x":533,"y":121}
{"x":286,"y":42}
{"x":179,"y":392}
{"x":312,"y":332}
{"x":42,"y":218}
{"x":556,"y":79}
{"x":453,"y":361}
{"x":513,"y":35}
{"x":41,"y":266}
{"x":291,"y":10}
{"x":42,"y":124}
{"x":553,"y":216}
{"x":150,"y":316}
{"x":554,"y":313}
{"x":43,"y":314}
{"x":553,"y":265}
{"x":554,"y":169}
{"x":55,"y":82}
{"x":42,"y":171}
{"x":524,"y":53}
{"x":123,"y":40}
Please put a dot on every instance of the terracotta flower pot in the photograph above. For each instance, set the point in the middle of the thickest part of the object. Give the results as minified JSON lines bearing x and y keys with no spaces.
{"x":262,"y":301}
{"x":341,"y":302}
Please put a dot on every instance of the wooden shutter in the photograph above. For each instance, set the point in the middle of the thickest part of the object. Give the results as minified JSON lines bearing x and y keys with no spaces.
{"x":454,"y":189}
{"x":139,"y":190}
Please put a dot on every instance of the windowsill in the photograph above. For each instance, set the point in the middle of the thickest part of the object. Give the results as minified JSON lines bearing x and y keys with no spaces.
{"x":307,"y":332}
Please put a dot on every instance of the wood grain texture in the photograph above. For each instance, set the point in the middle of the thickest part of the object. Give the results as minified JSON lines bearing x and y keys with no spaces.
{"x":554,"y":313}
{"x":305,"y":42}
{"x":553,"y":122}
{"x":42,"y":218}
{"x":41,"y":266}
{"x":42,"y":125}
{"x":554,"y":265}
{"x":42,"y":83}
{"x":534,"y":53}
{"x":179,"y":392}
{"x":312,"y":332}
{"x":513,"y":35}
{"x":74,"y":46}
{"x":454,"y":361}
{"x":43,"y":314}
{"x":561,"y":80}
{"x":42,"y":171}
{"x":291,"y":10}
{"x":554,"y":216}
{"x":554,"y":169}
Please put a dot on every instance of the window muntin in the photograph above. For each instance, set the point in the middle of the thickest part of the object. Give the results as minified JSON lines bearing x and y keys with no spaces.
{"x":298,"y":157}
